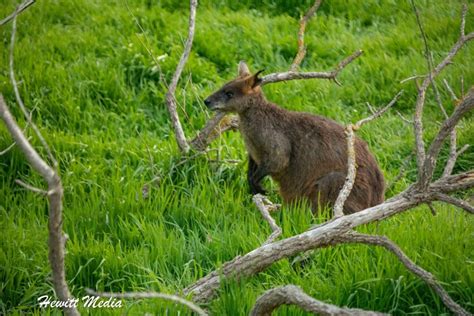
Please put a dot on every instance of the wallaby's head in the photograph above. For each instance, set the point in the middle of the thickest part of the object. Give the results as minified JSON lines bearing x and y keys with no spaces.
{"x":236,"y":95}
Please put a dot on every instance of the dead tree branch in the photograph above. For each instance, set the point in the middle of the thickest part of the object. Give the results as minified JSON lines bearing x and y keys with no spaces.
{"x":301,"y":47}
{"x":22,"y":7}
{"x":170,"y":95}
{"x":351,"y":160}
{"x":418,"y":124}
{"x":293,"y":295}
{"x":55,"y":194}
{"x":265,"y":206}
{"x":261,"y":258}
{"x":450,"y":90}
{"x":294,"y":75}
{"x":453,"y":156}
{"x":217,"y":125}
{"x":456,"y":202}
{"x":31,"y":188}
{"x":355,"y":237}
{"x":141,"y":295}
{"x":466,"y":105}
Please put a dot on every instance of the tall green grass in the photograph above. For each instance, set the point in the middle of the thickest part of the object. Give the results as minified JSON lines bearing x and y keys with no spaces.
{"x":98,"y":98}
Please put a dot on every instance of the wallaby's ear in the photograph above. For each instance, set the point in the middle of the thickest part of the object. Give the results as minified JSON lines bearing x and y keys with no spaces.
{"x":243,"y":69}
{"x":256,"y":80}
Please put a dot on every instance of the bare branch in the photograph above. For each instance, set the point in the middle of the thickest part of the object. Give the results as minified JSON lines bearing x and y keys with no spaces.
{"x":170,"y":95}
{"x":19,"y":99}
{"x":264,"y":256}
{"x":351,"y":158}
{"x":55,"y":194}
{"x":351,"y":174}
{"x":216,"y":126}
{"x":451,"y":92}
{"x":22,"y":7}
{"x":463,"y":19}
{"x":412,"y":78}
{"x":379,"y":112}
{"x":144,"y":295}
{"x":453,"y":183}
{"x":448,"y":169}
{"x":404,"y":119}
{"x":31,"y":188}
{"x":456,"y":202}
{"x":466,"y":105}
{"x":301,"y":47}
{"x":418,"y":124}
{"x":408,"y":263}
{"x":265,"y":206}
{"x":292,"y":75}
{"x":293,"y":295}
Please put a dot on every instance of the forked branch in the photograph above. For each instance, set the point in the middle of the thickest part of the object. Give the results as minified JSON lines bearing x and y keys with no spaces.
{"x":351,"y":157}
{"x":170,"y":95}
{"x":22,"y":7}
{"x":265,"y":206}
{"x":294,"y":75}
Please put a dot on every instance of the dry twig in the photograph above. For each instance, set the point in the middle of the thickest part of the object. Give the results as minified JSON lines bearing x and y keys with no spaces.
{"x":293,"y":295}
{"x":450,"y":90}
{"x":170,"y":95}
{"x":456,"y":202}
{"x":293,"y":75}
{"x":31,"y":188}
{"x":217,"y":125}
{"x":351,"y":158}
{"x":141,"y":295}
{"x":22,"y":7}
{"x":301,"y":47}
{"x":265,"y":206}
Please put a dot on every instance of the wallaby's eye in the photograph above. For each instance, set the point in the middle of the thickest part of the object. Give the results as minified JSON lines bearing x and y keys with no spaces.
{"x":229,"y":94}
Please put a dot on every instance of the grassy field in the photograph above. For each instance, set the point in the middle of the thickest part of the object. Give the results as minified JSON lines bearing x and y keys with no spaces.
{"x":98,"y":98}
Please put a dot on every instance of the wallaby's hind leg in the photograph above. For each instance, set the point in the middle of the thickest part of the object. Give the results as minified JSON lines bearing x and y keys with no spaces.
{"x":327,"y":189}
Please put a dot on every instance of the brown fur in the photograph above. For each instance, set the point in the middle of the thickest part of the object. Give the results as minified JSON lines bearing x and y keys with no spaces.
{"x":306,"y":154}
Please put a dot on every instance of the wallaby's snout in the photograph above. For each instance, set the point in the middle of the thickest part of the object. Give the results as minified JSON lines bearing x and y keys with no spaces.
{"x":214,"y":102}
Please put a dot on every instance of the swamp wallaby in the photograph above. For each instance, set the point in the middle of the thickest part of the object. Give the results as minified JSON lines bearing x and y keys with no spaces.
{"x":306,"y":154}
